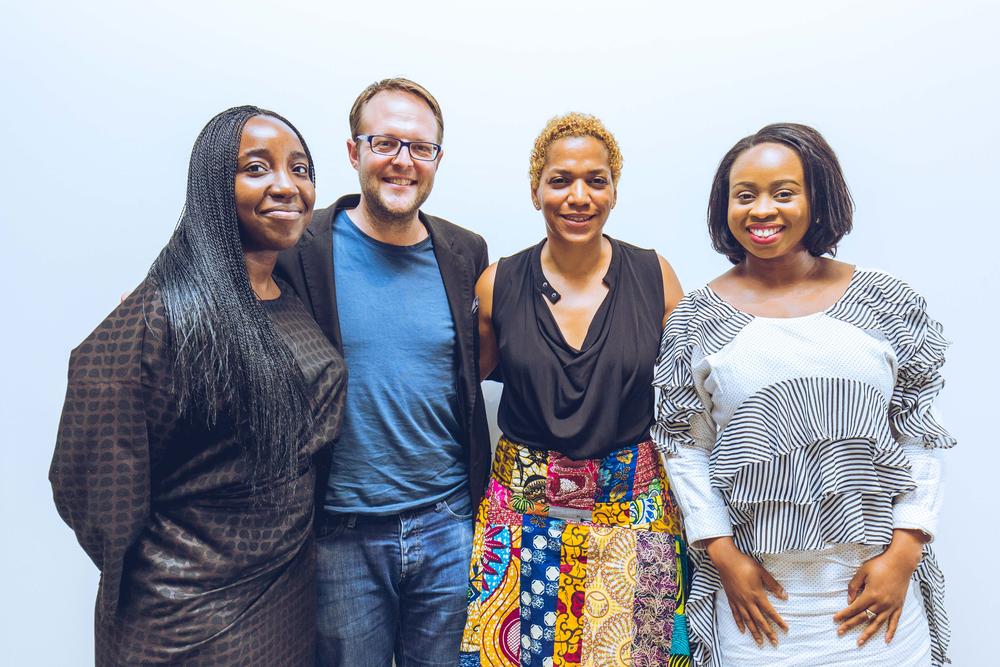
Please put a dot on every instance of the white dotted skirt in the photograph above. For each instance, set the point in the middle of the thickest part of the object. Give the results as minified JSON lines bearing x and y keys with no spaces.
{"x":816,"y":583}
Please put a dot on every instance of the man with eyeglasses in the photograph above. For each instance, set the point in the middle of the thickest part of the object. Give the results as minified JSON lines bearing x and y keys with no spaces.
{"x":393,"y":288}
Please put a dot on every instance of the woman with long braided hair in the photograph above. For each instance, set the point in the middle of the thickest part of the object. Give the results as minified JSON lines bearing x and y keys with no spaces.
{"x":184,"y":455}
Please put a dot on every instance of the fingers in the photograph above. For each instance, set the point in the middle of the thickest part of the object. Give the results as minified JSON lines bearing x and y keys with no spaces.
{"x":856,"y":584}
{"x":893,"y":623}
{"x":854,"y":614}
{"x":771,"y":584}
{"x":751,"y":624}
{"x":771,"y":613}
{"x":739,"y":620}
{"x":859,"y":618}
{"x":857,"y":606}
{"x":873,"y":626}
{"x":764,"y":628}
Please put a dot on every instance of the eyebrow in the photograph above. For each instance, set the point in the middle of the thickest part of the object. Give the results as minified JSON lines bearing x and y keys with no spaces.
{"x":748,"y":184}
{"x":599,"y":170}
{"x":263,"y":152}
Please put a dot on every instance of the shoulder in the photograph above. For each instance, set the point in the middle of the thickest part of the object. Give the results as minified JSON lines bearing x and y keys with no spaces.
{"x":646,"y":259}
{"x":322,"y":223}
{"x":484,"y":286}
{"x":114,"y":351}
{"x":323,"y":219}
{"x":633,"y":251}
{"x":875,"y":283}
{"x":460,"y":237}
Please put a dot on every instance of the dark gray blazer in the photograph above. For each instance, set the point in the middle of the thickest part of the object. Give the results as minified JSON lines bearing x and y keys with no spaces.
{"x":461,"y":257}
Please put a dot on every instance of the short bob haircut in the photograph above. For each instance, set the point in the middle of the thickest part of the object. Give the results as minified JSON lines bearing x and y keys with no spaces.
{"x":573,"y":124}
{"x":830,"y":204}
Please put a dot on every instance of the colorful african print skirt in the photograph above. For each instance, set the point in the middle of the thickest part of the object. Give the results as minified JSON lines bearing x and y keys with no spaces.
{"x":577,"y":563}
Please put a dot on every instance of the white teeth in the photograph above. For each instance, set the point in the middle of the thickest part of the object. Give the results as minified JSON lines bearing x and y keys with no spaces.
{"x":764,"y":232}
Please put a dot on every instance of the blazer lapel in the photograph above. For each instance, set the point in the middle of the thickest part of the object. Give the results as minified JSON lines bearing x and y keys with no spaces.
{"x":317,"y":267}
{"x":456,"y":273}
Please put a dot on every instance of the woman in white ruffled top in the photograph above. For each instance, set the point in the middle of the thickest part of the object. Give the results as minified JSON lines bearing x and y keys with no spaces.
{"x":795,"y":416}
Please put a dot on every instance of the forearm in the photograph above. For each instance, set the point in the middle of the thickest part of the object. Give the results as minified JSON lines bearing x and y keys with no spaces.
{"x":702,"y":506}
{"x":919,"y":508}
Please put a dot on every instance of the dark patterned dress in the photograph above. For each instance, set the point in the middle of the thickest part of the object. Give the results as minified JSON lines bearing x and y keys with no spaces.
{"x":196,"y":569}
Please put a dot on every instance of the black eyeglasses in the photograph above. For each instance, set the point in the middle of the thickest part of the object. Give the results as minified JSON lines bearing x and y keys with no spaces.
{"x":382,"y":144}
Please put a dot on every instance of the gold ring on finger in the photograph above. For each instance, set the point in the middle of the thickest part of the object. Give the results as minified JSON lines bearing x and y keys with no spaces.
{"x":870,"y":614}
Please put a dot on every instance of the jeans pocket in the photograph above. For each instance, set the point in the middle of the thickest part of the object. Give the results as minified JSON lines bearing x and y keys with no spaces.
{"x":330,"y":526}
{"x":458,"y":506}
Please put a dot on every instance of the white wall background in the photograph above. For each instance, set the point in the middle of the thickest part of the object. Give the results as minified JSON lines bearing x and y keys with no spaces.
{"x":103,"y":101}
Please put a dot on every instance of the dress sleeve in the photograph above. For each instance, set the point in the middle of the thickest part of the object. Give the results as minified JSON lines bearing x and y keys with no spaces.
{"x":100,"y":470}
{"x":684,"y":432}
{"x":920,"y":347}
{"x":919,"y":509}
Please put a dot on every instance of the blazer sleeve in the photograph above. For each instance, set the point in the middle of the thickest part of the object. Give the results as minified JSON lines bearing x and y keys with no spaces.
{"x":100,"y":471}
{"x":482,"y":257}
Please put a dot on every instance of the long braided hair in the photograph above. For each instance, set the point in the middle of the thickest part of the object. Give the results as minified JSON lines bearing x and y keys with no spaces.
{"x":230,"y":365}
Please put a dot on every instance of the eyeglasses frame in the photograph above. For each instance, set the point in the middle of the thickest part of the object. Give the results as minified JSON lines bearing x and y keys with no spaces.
{"x":402,"y":145}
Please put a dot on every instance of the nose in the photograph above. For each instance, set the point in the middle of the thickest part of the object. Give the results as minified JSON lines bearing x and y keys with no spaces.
{"x":283,"y":184}
{"x":578,"y":194}
{"x":403,"y":157}
{"x":763,"y":208}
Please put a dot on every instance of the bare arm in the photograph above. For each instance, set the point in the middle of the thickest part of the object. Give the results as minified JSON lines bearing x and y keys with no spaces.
{"x":489,"y":356}
{"x":672,"y":292}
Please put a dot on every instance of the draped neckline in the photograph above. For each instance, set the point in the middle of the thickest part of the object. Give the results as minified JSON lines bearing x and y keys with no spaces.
{"x":548,"y":319}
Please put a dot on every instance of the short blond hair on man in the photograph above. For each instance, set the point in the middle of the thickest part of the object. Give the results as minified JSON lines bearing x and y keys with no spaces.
{"x":573,"y":124}
{"x":395,"y":83}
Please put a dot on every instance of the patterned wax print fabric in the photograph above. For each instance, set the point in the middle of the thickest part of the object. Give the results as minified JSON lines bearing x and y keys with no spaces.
{"x":577,"y":562}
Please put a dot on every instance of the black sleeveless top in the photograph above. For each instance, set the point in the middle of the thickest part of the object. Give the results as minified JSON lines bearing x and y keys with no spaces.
{"x":583,"y":403}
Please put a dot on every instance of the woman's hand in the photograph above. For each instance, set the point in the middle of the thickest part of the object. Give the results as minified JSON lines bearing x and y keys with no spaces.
{"x":746,"y":582}
{"x":878,"y":589}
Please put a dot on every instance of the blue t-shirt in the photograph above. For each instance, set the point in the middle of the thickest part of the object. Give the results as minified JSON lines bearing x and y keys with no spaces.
{"x":399,"y":444}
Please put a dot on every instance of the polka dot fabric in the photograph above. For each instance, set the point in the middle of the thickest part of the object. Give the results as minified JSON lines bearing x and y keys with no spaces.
{"x":194,"y":569}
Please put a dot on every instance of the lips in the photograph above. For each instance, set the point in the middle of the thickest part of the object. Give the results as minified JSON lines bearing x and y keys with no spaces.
{"x":765,"y":234}
{"x":399,"y":182}
{"x":577,"y":218}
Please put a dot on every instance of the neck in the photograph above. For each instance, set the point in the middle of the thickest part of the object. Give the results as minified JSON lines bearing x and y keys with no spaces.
{"x":260,"y":266}
{"x":780,"y":271}
{"x":576,"y":261}
{"x":387,"y":229}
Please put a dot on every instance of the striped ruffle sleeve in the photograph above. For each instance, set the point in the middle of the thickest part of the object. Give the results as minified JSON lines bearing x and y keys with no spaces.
{"x":698,"y":326}
{"x":684,"y":429}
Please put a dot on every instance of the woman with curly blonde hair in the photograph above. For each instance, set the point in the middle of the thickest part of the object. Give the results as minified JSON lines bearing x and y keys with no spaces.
{"x":577,"y":555}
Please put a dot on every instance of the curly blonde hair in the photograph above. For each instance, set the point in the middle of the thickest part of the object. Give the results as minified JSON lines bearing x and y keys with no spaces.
{"x":573,"y":124}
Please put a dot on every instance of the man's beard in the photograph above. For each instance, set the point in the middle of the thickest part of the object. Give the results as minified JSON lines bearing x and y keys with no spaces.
{"x":390,"y":217}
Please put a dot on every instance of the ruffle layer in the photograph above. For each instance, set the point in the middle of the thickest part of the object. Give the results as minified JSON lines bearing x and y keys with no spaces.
{"x":807,"y":463}
{"x":698,"y":321}
{"x":881,"y":302}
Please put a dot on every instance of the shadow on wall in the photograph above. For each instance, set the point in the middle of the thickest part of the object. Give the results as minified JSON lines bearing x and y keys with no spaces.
{"x":491,"y":394}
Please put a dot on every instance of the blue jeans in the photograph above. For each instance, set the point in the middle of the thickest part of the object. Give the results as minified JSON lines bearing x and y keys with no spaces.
{"x":394,"y":586}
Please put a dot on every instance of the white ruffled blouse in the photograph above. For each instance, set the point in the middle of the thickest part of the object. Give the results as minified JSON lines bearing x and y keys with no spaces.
{"x":805,"y":432}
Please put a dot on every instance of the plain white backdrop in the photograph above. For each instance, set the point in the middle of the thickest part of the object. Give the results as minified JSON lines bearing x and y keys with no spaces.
{"x":103,"y":100}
